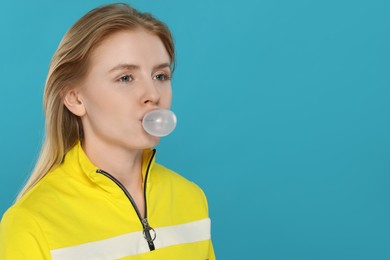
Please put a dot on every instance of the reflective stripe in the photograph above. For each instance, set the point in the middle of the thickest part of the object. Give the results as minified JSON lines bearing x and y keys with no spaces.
{"x":134,"y":243}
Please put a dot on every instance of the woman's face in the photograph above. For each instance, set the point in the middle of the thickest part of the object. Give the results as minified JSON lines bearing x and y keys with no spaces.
{"x":129,"y":74}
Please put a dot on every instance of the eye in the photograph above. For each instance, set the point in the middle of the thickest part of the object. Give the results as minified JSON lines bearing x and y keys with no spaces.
{"x":126,"y":78}
{"x":162,"y":77}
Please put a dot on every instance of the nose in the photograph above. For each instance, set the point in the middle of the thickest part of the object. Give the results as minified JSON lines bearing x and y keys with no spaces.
{"x":151,"y":92}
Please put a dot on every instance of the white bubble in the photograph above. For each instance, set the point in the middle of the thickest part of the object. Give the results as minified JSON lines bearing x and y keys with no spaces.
{"x":159,"y":122}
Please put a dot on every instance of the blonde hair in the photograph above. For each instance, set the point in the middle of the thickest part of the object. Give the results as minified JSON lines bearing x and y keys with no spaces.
{"x":70,"y":64}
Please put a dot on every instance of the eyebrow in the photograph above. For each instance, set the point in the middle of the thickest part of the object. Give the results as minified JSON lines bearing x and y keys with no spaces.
{"x":136,"y":67}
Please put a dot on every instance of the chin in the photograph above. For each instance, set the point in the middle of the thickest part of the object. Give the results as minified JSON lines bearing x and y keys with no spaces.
{"x":155,"y":142}
{"x":149,"y":142}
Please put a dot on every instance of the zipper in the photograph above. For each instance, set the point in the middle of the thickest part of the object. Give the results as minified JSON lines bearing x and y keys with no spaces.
{"x":148,"y":232}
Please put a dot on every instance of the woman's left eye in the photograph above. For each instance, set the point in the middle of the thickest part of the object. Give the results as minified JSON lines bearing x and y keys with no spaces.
{"x":162,"y":77}
{"x":126,"y":78}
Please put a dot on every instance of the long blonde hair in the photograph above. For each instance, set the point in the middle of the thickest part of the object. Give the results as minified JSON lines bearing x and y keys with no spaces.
{"x":70,"y":64}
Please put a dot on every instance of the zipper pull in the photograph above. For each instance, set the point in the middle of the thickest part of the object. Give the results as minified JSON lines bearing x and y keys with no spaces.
{"x":149,"y":233}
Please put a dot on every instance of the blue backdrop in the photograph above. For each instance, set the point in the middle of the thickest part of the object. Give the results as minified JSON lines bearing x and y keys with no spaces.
{"x":283,"y":110}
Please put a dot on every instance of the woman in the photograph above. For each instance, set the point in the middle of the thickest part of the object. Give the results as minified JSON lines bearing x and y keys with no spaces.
{"x":96,"y":191}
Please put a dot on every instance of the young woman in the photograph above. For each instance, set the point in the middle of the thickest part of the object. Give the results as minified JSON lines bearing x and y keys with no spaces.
{"x":96,"y":191}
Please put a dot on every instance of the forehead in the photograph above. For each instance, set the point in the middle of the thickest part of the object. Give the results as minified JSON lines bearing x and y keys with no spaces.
{"x":137,"y":47}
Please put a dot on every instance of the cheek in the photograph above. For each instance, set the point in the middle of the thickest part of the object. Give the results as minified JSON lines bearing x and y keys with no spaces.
{"x":101,"y":103}
{"x":166,"y":98}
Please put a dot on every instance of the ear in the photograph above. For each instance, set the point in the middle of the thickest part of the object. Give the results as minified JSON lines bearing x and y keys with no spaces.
{"x":73,"y":101}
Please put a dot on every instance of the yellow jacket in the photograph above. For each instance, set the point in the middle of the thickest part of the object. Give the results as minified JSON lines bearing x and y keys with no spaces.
{"x":79,"y":212}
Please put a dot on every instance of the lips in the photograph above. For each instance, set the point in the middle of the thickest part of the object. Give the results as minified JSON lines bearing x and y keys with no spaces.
{"x":142,"y":118}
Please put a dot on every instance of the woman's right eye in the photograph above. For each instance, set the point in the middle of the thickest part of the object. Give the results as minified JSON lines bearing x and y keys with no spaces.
{"x":126,"y":78}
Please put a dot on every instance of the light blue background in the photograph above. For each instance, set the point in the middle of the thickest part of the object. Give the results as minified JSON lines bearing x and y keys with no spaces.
{"x":283,"y":111}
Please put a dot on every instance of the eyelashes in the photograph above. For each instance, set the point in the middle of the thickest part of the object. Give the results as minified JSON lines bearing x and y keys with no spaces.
{"x":126,"y":78}
{"x":159,"y":77}
{"x":162,"y":77}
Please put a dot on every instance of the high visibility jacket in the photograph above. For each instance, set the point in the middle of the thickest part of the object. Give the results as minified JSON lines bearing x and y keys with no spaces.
{"x":78,"y":211}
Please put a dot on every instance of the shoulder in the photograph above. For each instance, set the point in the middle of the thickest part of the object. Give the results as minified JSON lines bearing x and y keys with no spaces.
{"x":164,"y":174}
{"x":17,"y":217}
{"x":19,"y":223}
{"x":179,"y":186}
{"x":21,"y":235}
{"x":45,"y":196}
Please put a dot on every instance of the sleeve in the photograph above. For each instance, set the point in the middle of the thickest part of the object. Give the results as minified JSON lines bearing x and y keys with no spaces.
{"x":21,"y":237}
{"x":211,"y":248}
{"x":211,"y":252}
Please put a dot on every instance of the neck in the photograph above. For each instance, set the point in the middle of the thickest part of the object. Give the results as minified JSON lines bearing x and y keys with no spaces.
{"x":125,"y":165}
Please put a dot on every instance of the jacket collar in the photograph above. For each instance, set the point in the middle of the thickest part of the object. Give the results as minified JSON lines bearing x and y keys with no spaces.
{"x":79,"y":161}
